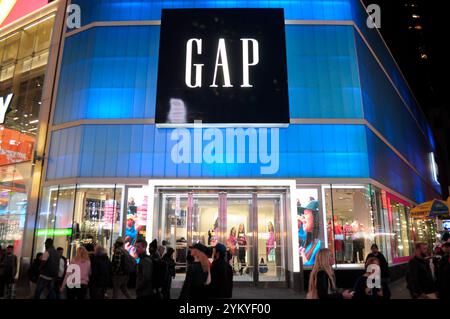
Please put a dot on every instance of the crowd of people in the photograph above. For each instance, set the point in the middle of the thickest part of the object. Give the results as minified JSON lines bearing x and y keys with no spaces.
{"x":427,"y":276}
{"x":150,"y":274}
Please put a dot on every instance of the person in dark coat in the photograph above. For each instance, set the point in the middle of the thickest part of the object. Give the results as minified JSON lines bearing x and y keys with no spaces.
{"x":419,"y":276}
{"x":194,"y":286}
{"x":384,"y":266}
{"x":444,"y":273}
{"x":33,"y":273}
{"x":363,"y":292}
{"x":144,"y":275}
{"x":101,"y":274}
{"x":221,"y":285}
{"x":9,"y":272}
{"x":168,"y":258}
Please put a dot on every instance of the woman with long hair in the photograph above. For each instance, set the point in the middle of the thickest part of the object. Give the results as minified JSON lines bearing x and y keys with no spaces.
{"x":322,"y":283}
{"x":242,"y":243}
{"x":197,"y":274}
{"x":83,"y":263}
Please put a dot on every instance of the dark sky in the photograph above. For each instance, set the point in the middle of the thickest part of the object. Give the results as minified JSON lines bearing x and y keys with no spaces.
{"x":428,"y":78}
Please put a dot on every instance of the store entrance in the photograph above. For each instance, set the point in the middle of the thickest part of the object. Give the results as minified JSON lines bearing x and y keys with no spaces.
{"x":249,"y":223}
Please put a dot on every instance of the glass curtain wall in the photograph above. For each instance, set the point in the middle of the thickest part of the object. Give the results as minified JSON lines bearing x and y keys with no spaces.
{"x":75,"y":215}
{"x":23,"y":59}
{"x":356,"y":219}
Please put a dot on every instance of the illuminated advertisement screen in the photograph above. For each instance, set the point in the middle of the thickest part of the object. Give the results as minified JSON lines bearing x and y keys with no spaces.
{"x":222,"y":66}
{"x":12,"y":10}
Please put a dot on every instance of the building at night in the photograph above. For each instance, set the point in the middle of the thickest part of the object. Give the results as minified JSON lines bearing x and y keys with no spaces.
{"x":275,"y":127}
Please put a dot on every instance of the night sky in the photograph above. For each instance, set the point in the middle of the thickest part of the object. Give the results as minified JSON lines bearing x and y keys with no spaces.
{"x":416,"y":37}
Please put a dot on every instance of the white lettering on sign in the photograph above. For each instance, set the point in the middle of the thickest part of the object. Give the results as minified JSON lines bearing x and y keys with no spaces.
{"x":4,"y":104}
{"x":221,"y":62}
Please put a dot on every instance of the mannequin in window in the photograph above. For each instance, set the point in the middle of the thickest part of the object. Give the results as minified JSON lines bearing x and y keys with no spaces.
{"x":348,"y":243}
{"x":270,"y":244}
{"x":358,"y":242}
{"x":213,"y":234}
{"x":231,"y":246}
{"x":338,"y":241}
{"x":300,"y":217}
{"x":242,"y":243}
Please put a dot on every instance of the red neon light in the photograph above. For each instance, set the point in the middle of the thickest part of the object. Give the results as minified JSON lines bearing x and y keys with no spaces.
{"x":21,"y":8}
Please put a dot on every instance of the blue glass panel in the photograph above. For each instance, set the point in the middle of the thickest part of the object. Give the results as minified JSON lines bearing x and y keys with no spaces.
{"x":119,"y":10}
{"x":397,"y":175}
{"x":144,"y":151}
{"x":323,"y":72}
{"x":108,"y":73}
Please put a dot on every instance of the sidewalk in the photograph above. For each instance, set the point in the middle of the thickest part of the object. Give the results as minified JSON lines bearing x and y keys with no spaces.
{"x":398,"y":289}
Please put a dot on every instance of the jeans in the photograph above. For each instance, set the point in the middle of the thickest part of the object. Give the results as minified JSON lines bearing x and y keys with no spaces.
{"x":45,"y":283}
{"x":120,"y":282}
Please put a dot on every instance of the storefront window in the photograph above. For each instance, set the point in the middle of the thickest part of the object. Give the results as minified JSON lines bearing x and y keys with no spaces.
{"x":350,"y":222}
{"x":80,"y":215}
{"x":424,"y":231}
{"x":399,"y":213}
{"x":136,"y":221}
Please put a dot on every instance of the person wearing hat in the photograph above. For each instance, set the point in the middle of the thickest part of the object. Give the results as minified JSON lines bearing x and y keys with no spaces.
{"x":221,"y":274}
{"x":197,"y":274}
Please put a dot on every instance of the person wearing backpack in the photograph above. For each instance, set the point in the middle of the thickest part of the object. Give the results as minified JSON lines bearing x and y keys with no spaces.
{"x":144,"y":275}
{"x":122,"y":266}
{"x":168,"y":258}
{"x":160,"y":270}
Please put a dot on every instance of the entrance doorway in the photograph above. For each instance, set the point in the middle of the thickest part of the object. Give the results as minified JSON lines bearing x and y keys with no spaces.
{"x":250,"y":222}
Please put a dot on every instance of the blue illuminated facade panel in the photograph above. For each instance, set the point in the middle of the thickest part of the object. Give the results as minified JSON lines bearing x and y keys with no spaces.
{"x":333,"y":151}
{"x":111,"y":73}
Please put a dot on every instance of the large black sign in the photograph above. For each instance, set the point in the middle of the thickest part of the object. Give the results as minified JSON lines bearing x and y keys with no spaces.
{"x":222,"y":66}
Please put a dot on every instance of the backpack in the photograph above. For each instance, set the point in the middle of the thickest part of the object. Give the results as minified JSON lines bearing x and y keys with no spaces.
{"x":160,"y":272}
{"x":128,"y":263}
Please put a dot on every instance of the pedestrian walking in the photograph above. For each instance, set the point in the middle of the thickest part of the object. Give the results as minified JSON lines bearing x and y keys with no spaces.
{"x":171,"y":272}
{"x":443,"y":278}
{"x":101,"y":274}
{"x":322,"y":282}
{"x":33,"y":273}
{"x":83,"y":263}
{"x":61,"y":272}
{"x":2,"y":281}
{"x":419,"y":275}
{"x":144,"y":276}
{"x":197,"y":275}
{"x":49,"y":271}
{"x":221,"y":285}
{"x":10,"y":272}
{"x":122,"y":266}
{"x":361,"y":289}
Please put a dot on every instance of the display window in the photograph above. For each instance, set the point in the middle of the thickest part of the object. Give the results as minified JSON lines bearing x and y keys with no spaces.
{"x":350,"y":222}
{"x":400,"y":224}
{"x":75,"y":215}
{"x":424,"y":231}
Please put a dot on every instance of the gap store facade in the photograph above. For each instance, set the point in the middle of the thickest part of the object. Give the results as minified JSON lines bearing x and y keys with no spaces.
{"x":277,"y":132}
